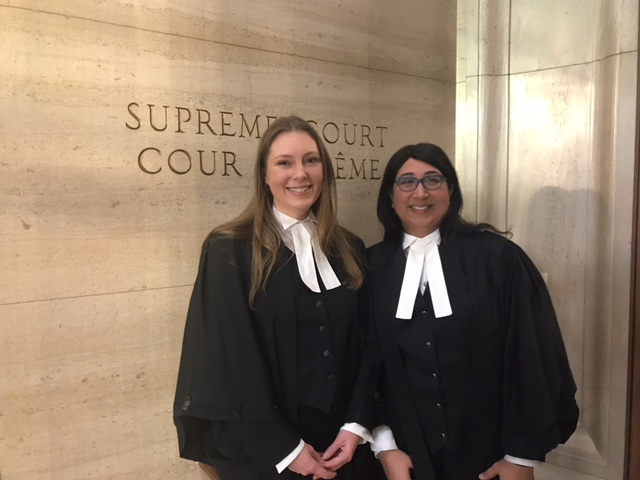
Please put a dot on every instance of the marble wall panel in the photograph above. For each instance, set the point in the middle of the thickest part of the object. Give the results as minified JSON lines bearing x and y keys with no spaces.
{"x":417,"y":39}
{"x":629,"y":18}
{"x":547,"y":34}
{"x":468,"y":30}
{"x":87,"y":387}
{"x":467,"y":114}
{"x":481,"y":139}
{"x":494,"y":29}
{"x":461,"y":49}
{"x":105,"y":201}
{"x":467,"y":105}
{"x":492,"y":150}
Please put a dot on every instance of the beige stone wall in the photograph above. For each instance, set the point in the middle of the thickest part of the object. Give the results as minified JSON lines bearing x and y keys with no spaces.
{"x":546,"y":139}
{"x":128,"y":130}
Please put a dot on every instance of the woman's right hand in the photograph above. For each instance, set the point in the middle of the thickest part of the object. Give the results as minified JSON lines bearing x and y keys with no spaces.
{"x":308,"y":463}
{"x":397,"y":464}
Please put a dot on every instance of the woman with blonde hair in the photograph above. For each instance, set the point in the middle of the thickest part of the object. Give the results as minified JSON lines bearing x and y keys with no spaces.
{"x":272,"y":339}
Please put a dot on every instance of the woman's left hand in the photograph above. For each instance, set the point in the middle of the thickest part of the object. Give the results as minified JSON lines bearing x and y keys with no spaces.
{"x":341,"y":451}
{"x":507,"y":471}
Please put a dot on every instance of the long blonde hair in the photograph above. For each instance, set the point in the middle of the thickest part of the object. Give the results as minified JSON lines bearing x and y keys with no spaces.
{"x":258,"y":222}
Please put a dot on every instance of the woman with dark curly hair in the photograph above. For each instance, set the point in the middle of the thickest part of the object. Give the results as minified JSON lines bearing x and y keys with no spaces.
{"x":465,"y":373}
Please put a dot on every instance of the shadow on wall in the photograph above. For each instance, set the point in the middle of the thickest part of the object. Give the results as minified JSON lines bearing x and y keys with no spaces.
{"x":568,"y":234}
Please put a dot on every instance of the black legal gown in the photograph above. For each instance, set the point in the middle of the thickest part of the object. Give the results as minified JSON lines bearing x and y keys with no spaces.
{"x":236,"y":406}
{"x":462,"y":391}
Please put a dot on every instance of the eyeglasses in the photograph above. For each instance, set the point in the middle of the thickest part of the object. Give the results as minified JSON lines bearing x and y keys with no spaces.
{"x":430,"y":182}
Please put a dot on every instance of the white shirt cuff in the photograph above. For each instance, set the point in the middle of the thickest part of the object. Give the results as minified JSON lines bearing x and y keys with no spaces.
{"x":523,"y":462}
{"x":286,"y":461}
{"x":383,"y":440}
{"x":359,"y":430}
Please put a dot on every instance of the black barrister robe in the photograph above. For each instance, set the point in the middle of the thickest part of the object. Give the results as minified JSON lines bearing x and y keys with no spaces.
{"x":236,"y":403}
{"x":514,"y":393}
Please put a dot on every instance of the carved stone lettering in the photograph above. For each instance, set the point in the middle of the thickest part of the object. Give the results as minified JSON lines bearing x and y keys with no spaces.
{"x":186,"y":120}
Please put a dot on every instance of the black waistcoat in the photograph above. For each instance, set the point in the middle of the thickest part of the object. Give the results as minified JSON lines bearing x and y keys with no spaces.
{"x":322,"y":336}
{"x":316,"y":363}
{"x":436,"y":353}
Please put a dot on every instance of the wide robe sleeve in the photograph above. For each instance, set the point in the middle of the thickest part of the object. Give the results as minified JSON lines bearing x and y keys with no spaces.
{"x":539,"y":407}
{"x":224,"y":382}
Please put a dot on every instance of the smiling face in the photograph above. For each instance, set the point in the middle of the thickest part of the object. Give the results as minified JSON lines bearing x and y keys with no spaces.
{"x":420,"y":211}
{"x":294,"y":173}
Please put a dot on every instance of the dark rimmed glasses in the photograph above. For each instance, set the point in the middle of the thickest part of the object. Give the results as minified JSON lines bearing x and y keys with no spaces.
{"x":429,"y":182}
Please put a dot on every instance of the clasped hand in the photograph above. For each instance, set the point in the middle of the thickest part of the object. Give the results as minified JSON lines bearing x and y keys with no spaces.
{"x":309,"y":462}
{"x":325,"y":466}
